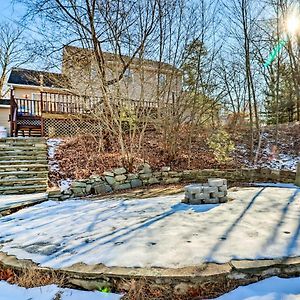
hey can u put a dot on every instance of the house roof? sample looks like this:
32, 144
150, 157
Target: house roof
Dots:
111, 57
37, 78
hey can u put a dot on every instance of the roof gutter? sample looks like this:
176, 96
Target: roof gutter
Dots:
36, 87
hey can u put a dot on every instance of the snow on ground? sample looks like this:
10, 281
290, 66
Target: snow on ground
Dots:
50, 292
9, 201
52, 145
54, 166
65, 184
273, 288
262, 222
281, 161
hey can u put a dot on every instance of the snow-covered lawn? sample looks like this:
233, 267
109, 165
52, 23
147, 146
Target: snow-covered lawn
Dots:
262, 222
273, 288
50, 292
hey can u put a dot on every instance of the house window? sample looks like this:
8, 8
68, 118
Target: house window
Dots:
94, 72
162, 79
128, 74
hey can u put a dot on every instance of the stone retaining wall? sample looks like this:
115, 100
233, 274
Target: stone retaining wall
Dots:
119, 179
176, 281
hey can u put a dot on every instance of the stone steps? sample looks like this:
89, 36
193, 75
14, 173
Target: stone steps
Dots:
22, 181
20, 151
27, 189
15, 163
23, 174
23, 157
23, 165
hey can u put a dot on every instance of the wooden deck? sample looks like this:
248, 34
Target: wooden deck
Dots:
27, 115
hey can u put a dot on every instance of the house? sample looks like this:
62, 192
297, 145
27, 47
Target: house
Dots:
145, 80
4, 113
43, 103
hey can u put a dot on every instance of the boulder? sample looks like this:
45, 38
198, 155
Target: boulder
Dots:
110, 180
215, 182
78, 184
165, 169
119, 171
172, 180
145, 176
107, 173
101, 188
131, 176
153, 180
120, 178
136, 183
123, 186
144, 168
78, 191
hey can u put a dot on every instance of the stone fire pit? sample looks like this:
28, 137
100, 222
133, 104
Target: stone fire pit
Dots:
213, 192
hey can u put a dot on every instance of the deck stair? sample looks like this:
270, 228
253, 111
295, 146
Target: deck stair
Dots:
23, 165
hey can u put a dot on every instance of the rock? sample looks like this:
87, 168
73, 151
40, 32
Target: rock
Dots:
78, 191
95, 177
101, 188
157, 174
215, 182
194, 189
144, 168
90, 285
218, 194
120, 177
165, 169
172, 180
107, 173
110, 180
123, 186
67, 192
173, 174
153, 180
145, 176
119, 171
78, 184
210, 189
131, 176
185, 200
136, 183
222, 188
88, 188
54, 192
223, 199
212, 200
65, 197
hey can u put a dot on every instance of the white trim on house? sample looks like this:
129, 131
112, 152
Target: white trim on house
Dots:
27, 86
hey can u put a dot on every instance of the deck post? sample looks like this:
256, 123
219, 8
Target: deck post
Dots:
42, 121
12, 113
297, 181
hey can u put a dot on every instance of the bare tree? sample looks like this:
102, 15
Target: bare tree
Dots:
12, 51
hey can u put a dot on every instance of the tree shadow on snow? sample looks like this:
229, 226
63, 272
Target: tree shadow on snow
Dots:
228, 231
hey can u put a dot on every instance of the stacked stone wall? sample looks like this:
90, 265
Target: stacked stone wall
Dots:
120, 179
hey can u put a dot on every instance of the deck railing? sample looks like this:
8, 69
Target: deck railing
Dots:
70, 104
67, 103
28, 107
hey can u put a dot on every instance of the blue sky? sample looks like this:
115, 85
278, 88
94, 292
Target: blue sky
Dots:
10, 12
